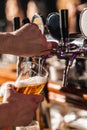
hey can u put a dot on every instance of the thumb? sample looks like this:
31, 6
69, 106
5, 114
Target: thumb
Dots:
8, 91
3, 88
50, 45
9, 88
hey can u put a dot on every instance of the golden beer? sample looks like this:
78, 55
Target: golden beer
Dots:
1, 98
33, 85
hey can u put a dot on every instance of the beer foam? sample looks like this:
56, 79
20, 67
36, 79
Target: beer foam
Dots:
31, 81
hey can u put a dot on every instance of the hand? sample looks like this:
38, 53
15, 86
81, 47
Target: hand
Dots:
29, 41
22, 107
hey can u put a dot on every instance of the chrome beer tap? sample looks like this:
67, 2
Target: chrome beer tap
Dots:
57, 23
20, 60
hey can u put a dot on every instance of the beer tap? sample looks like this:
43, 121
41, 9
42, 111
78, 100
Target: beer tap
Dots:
68, 50
20, 60
16, 25
64, 41
23, 60
57, 23
39, 20
62, 25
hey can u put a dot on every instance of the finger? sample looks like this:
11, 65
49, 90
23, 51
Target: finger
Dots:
4, 88
52, 44
9, 89
38, 98
46, 52
49, 46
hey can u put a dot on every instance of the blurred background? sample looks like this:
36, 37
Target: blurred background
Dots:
61, 110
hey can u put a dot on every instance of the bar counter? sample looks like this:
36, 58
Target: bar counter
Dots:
8, 73
74, 96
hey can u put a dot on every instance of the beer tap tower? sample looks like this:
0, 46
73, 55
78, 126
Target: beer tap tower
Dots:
66, 50
57, 23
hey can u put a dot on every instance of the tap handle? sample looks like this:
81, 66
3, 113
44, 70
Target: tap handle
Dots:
16, 23
25, 20
64, 25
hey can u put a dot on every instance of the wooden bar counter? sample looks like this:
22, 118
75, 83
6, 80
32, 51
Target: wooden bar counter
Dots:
8, 74
75, 96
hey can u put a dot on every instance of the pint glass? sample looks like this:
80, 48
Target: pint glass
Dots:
31, 79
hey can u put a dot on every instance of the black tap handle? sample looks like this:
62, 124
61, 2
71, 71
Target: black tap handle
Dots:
16, 23
25, 20
64, 25
53, 24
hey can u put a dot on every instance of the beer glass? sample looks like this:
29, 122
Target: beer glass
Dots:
31, 79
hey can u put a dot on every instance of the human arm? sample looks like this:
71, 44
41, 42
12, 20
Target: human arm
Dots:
17, 109
27, 41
